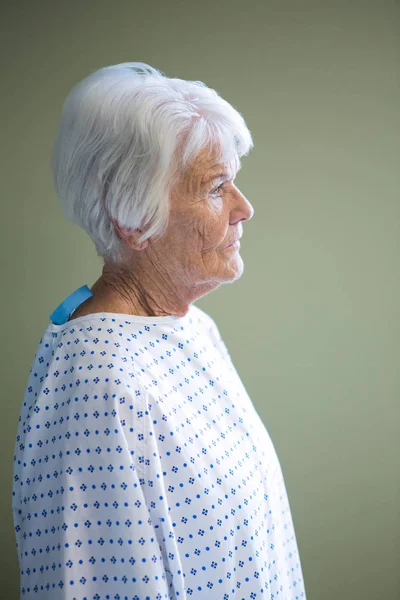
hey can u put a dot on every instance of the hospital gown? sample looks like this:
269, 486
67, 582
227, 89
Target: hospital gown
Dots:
143, 471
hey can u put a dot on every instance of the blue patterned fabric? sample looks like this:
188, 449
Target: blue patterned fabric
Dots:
143, 471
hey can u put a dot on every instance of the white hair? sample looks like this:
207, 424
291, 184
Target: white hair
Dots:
126, 132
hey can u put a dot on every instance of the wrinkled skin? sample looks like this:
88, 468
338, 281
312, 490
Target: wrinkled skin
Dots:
165, 276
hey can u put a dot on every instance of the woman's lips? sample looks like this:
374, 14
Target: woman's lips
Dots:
234, 245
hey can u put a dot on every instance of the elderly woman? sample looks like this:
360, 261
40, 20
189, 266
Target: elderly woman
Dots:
142, 470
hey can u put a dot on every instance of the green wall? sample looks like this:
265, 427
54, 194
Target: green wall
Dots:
313, 324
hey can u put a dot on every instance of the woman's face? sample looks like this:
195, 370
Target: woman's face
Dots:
205, 217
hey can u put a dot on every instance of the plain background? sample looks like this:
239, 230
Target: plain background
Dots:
313, 324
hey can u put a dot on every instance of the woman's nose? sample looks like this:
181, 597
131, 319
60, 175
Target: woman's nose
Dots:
246, 208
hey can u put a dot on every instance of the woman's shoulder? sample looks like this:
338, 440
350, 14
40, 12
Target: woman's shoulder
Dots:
203, 317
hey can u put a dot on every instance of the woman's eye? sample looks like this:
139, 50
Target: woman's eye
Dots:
214, 192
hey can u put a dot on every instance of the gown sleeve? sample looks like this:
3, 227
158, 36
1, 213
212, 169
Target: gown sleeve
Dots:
83, 526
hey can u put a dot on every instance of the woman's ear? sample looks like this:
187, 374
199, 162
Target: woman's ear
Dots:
130, 236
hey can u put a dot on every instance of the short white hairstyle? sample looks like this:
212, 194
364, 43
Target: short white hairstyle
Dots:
126, 133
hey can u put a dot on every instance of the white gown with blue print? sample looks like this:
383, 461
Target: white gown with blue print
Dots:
143, 472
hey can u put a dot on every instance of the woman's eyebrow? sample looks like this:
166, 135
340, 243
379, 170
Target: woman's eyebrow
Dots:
216, 176
221, 175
